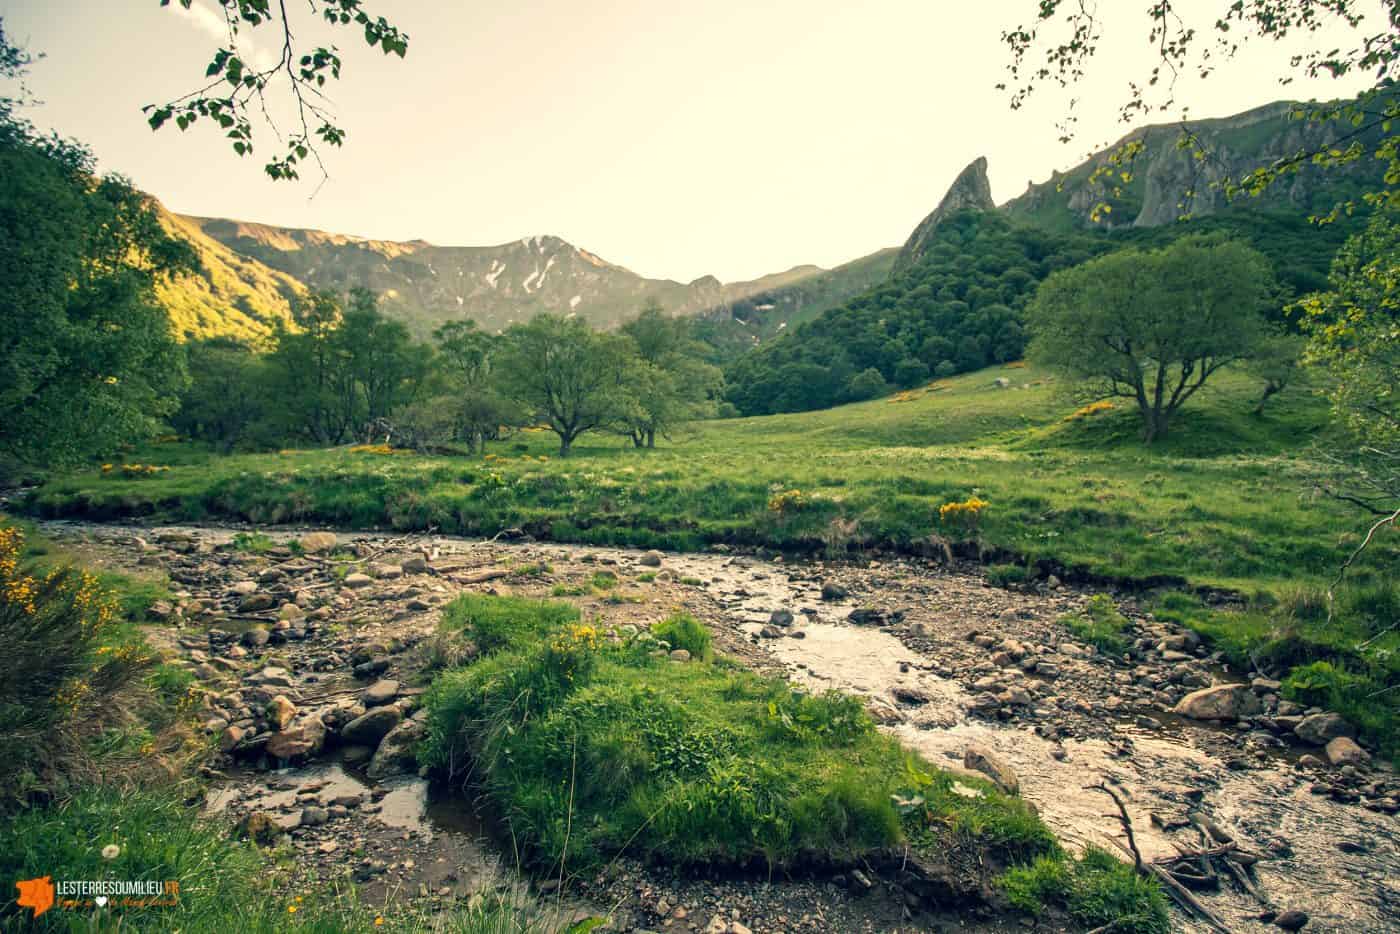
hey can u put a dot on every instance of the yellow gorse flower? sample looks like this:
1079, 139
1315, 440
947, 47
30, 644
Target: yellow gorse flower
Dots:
966, 512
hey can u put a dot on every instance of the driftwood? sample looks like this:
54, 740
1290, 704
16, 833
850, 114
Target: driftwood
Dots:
481, 577
1193, 867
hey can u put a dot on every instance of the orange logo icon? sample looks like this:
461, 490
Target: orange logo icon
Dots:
36, 894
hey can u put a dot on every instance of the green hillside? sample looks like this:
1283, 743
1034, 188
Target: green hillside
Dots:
232, 296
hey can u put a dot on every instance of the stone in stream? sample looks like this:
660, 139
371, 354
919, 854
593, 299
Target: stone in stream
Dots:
281, 712
317, 542
1342, 750
256, 603
909, 695
1321, 728
771, 632
380, 693
832, 591
981, 759
230, 737
1221, 702
395, 753
302, 738
369, 729
780, 618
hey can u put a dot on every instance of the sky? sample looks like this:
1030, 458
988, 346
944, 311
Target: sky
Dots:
731, 138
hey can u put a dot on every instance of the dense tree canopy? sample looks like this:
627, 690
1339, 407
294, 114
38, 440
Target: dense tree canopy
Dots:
958, 310
87, 357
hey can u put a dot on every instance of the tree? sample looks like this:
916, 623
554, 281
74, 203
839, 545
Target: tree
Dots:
668, 383
1354, 334
1152, 326
467, 361
867, 384
87, 357
227, 396
378, 359
236, 88
1276, 362
566, 375
303, 365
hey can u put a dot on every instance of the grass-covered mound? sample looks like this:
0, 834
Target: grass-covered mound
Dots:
592, 744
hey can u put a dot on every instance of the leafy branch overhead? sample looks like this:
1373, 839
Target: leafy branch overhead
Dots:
1057, 45
237, 87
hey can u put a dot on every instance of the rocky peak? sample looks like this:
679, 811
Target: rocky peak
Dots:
970, 191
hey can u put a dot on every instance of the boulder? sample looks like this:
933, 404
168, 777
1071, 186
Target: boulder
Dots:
395, 754
281, 712
381, 692
1221, 702
357, 580
1321, 728
415, 565
1342, 750
981, 759
255, 603
780, 618
832, 591
374, 725
303, 737
652, 559
316, 542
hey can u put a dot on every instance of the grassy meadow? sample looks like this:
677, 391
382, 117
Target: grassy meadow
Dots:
1227, 500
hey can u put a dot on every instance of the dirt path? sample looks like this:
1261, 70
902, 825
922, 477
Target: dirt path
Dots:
944, 659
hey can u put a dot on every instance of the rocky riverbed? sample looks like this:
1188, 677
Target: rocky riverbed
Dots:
313, 660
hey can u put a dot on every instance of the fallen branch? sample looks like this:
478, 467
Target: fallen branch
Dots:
1123, 819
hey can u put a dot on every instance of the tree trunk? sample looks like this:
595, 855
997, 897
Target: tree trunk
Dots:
651, 438
1269, 390
1154, 426
565, 443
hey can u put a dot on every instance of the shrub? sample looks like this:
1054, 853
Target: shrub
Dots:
683, 631
1097, 889
1100, 625
966, 514
66, 656
788, 502
1004, 575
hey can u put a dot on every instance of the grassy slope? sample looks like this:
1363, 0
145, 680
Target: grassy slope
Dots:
1225, 501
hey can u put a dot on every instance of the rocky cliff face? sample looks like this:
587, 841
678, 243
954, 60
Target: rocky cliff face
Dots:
970, 191
1168, 180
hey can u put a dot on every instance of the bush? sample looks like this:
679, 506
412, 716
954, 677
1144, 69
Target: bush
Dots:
1004, 575
1096, 889
66, 656
683, 631
1100, 625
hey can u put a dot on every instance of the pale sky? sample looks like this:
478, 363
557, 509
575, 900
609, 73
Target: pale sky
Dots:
732, 137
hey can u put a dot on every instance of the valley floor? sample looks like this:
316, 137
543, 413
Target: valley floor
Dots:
942, 658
